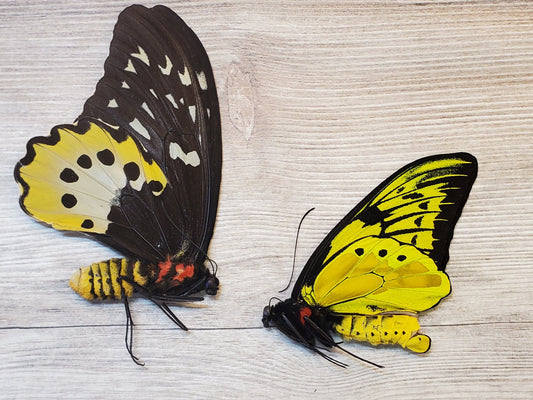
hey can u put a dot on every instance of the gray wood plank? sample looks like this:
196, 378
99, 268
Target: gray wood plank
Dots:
320, 101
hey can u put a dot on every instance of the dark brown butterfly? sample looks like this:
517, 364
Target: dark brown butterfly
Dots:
140, 168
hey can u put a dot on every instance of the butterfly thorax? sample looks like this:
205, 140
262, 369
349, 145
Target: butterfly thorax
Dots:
301, 322
119, 277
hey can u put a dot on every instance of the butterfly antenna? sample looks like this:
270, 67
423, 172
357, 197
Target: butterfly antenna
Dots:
273, 298
295, 246
214, 265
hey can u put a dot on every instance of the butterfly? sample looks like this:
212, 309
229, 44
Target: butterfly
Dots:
140, 168
382, 264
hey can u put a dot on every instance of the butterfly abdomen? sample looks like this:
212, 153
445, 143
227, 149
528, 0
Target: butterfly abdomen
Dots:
385, 329
104, 280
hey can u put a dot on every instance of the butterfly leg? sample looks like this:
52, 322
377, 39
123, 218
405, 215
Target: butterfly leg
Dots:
158, 302
129, 333
296, 335
328, 341
168, 312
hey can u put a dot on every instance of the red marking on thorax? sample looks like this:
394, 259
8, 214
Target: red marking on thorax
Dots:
183, 271
304, 312
164, 268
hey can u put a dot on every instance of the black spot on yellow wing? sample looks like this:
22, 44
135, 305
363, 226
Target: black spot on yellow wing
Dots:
87, 224
132, 171
84, 161
106, 157
69, 176
413, 196
69, 200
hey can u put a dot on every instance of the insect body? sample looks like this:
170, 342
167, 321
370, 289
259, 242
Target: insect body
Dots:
383, 263
385, 329
140, 168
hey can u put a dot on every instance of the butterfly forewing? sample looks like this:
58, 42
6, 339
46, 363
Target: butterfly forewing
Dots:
158, 87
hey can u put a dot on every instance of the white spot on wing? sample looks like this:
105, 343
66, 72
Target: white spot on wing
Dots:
192, 111
208, 110
147, 109
137, 184
112, 103
125, 85
202, 80
190, 158
136, 124
168, 66
108, 124
182, 101
153, 93
172, 100
130, 67
185, 78
141, 55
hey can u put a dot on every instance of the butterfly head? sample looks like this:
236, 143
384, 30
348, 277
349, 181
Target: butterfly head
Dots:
267, 315
285, 314
299, 321
211, 285
211, 281
308, 325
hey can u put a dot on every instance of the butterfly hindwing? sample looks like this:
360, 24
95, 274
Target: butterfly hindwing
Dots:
417, 206
374, 275
72, 177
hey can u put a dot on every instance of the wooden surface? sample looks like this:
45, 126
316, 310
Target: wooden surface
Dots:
320, 101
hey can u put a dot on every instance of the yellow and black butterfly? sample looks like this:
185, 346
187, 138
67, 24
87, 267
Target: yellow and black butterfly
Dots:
140, 168
383, 263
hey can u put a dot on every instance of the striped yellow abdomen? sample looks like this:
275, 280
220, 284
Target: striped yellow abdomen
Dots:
100, 280
385, 329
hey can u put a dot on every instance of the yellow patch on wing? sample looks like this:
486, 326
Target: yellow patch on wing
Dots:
73, 183
375, 275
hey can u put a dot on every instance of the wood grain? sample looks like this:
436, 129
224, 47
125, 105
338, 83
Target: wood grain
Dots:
320, 101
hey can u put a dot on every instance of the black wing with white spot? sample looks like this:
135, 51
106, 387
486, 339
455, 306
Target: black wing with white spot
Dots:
158, 88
